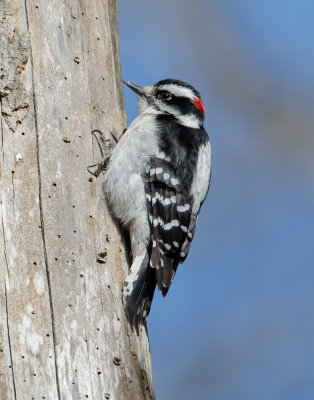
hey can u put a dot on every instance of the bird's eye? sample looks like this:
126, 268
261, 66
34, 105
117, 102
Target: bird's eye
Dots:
165, 96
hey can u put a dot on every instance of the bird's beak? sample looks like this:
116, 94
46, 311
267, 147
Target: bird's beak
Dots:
137, 89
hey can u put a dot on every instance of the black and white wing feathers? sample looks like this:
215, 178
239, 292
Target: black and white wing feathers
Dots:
170, 215
177, 184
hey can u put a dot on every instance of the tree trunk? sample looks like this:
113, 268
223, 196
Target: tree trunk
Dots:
63, 331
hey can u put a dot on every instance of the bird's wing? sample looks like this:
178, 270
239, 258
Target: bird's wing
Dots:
171, 221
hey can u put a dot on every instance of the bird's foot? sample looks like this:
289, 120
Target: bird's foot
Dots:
106, 147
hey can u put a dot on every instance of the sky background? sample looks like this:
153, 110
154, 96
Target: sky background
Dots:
238, 322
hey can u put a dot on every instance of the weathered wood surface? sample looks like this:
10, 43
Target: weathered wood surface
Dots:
63, 331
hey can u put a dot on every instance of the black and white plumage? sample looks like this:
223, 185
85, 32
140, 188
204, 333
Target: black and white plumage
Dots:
157, 179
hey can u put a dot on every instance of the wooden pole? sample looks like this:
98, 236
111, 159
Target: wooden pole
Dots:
63, 331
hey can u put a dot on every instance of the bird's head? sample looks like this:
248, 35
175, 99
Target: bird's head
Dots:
172, 97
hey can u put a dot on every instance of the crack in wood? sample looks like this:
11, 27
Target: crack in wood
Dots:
6, 296
8, 332
42, 217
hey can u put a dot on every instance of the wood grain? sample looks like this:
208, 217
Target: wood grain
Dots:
63, 331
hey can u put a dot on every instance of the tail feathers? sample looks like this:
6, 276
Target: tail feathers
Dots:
138, 301
165, 274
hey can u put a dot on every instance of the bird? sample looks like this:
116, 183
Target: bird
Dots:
155, 183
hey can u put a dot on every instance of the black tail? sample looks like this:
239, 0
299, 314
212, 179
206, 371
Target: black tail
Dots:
139, 301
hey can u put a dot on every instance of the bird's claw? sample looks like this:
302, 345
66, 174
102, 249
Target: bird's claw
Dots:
105, 146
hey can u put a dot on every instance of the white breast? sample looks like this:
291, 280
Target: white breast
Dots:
123, 181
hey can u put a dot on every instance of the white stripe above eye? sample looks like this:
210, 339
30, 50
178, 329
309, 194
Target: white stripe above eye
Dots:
179, 91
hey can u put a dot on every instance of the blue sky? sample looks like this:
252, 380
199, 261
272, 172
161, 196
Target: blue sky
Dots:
238, 322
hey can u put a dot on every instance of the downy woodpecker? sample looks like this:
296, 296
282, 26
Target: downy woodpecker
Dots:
156, 181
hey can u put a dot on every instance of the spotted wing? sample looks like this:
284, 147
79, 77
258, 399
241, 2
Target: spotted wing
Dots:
171, 221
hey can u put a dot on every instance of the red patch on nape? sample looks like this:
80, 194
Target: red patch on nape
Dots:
200, 105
